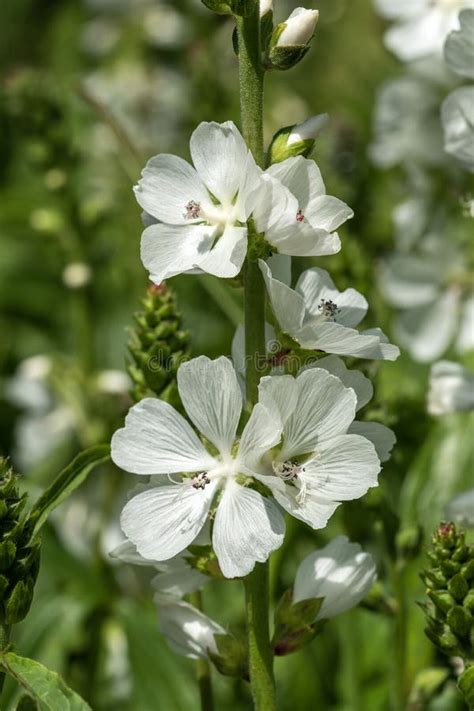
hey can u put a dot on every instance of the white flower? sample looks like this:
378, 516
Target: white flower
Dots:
406, 124
340, 572
299, 27
319, 464
294, 212
319, 317
461, 509
76, 275
113, 382
430, 287
164, 520
175, 576
459, 47
308, 130
451, 388
421, 26
457, 116
202, 210
188, 631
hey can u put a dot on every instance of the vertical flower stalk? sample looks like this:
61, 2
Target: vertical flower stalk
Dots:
251, 75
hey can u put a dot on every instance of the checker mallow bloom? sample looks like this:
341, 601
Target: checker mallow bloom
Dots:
197, 215
163, 520
294, 211
319, 317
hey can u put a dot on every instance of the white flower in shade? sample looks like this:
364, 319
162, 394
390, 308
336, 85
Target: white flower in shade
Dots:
421, 26
319, 317
299, 27
175, 576
382, 437
461, 509
457, 116
294, 212
201, 211
451, 389
113, 382
188, 631
163, 520
433, 290
319, 464
406, 124
459, 47
341, 573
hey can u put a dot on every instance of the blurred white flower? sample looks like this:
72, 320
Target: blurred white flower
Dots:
406, 124
459, 47
461, 509
341, 573
319, 317
451, 388
113, 382
421, 26
188, 631
294, 212
457, 116
76, 275
433, 290
299, 27
202, 210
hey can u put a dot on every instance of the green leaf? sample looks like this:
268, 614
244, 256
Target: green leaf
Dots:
43, 685
65, 483
26, 703
466, 685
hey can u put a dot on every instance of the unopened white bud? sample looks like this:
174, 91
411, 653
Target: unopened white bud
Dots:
76, 275
299, 28
308, 130
265, 6
188, 631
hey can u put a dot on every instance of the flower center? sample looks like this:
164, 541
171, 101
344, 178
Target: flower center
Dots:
192, 210
288, 471
299, 216
200, 481
328, 308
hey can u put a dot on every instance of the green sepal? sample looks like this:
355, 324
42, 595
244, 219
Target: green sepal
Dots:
221, 8
466, 686
232, 657
19, 601
458, 587
459, 621
284, 58
204, 560
7, 554
295, 623
427, 685
244, 8
442, 600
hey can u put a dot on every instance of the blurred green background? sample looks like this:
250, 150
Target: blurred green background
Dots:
89, 90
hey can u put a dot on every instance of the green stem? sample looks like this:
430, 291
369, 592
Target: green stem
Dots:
4, 642
251, 75
399, 684
203, 668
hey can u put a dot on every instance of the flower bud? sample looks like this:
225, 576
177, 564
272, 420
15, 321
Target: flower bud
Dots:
188, 631
266, 6
296, 140
290, 39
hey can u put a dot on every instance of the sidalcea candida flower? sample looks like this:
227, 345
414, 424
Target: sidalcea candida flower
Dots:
457, 117
294, 211
341, 573
198, 214
319, 317
421, 26
317, 466
188, 631
459, 47
451, 388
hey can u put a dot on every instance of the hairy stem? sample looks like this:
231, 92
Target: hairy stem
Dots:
203, 668
4, 642
251, 76
400, 638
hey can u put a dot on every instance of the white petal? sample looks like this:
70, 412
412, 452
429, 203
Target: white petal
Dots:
167, 185
167, 250
301, 176
408, 281
276, 208
226, 257
327, 212
421, 36
315, 285
426, 332
465, 339
247, 528
212, 398
335, 338
302, 240
457, 115
343, 468
314, 510
461, 509
354, 379
261, 433
177, 578
219, 154
459, 47
279, 394
287, 305
127, 553
157, 440
187, 630
340, 573
326, 409
163, 521
383, 438
451, 389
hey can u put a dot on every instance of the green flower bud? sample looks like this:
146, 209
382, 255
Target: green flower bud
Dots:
295, 623
158, 345
459, 621
466, 686
409, 541
296, 140
232, 658
458, 587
